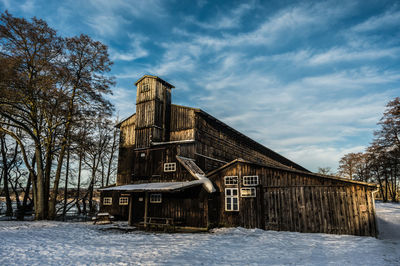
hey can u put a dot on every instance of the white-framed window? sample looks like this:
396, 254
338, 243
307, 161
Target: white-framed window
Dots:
231, 180
123, 201
145, 87
231, 199
107, 201
250, 180
248, 192
155, 198
169, 167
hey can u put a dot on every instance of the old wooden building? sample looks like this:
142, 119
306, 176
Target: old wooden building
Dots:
179, 165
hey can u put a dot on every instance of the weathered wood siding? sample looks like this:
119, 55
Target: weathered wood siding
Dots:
126, 151
187, 208
149, 164
292, 201
182, 123
120, 212
215, 141
153, 102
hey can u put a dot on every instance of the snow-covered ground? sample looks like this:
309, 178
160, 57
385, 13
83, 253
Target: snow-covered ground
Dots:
58, 243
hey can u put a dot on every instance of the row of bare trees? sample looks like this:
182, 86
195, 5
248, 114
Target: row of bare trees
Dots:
54, 118
380, 163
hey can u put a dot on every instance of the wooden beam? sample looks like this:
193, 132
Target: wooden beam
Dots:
146, 202
130, 211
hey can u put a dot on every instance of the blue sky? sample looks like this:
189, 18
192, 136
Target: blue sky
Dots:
308, 79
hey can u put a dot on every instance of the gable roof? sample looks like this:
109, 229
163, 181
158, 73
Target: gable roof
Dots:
155, 77
120, 123
289, 169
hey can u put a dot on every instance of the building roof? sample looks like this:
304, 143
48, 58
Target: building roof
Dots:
155, 187
274, 156
289, 169
122, 121
155, 77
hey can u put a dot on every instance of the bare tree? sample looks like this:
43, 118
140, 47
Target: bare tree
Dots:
47, 84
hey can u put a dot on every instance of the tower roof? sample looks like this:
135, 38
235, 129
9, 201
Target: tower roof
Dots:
157, 78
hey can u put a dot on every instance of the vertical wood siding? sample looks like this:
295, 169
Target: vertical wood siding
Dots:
290, 201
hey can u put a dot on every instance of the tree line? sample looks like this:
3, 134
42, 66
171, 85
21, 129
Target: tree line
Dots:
56, 127
380, 163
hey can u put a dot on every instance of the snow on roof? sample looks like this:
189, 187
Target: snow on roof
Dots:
164, 186
196, 171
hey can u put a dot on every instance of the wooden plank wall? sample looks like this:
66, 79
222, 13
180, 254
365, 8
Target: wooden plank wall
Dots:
149, 164
189, 207
290, 201
219, 143
182, 123
152, 112
127, 135
120, 212
313, 209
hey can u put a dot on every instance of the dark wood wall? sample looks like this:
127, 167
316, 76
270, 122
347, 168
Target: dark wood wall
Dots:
292, 201
188, 208
120, 212
216, 141
149, 164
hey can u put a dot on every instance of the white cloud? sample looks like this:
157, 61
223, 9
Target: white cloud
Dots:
6, 4
125, 101
28, 6
105, 24
313, 156
136, 49
390, 18
224, 20
342, 54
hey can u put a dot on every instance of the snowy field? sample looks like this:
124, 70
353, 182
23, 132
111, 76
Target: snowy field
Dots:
58, 243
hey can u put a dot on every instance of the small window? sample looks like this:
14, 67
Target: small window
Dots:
248, 192
231, 180
169, 167
155, 198
123, 201
231, 199
107, 201
145, 87
250, 180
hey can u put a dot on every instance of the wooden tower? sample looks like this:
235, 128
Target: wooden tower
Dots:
153, 108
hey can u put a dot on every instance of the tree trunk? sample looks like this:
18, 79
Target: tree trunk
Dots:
66, 185
9, 210
41, 201
113, 148
64, 145
78, 190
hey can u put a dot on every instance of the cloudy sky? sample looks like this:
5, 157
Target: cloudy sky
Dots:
308, 79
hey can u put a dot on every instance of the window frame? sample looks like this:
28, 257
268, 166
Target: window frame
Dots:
169, 167
123, 201
145, 87
250, 183
252, 189
231, 198
232, 180
107, 201
158, 198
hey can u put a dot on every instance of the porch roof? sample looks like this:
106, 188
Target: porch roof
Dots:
156, 187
